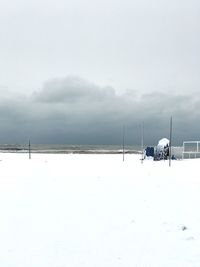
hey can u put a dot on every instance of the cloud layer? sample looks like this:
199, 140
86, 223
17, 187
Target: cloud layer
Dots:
75, 111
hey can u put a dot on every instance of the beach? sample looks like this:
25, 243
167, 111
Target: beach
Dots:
70, 210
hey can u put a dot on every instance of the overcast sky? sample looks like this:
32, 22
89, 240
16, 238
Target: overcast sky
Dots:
75, 71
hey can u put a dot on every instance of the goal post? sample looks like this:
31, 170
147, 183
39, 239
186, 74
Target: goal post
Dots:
191, 149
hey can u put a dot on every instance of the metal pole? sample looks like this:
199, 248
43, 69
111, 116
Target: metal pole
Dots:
29, 149
170, 142
142, 142
123, 142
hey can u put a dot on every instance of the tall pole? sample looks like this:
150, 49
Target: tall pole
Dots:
29, 149
123, 141
142, 142
170, 142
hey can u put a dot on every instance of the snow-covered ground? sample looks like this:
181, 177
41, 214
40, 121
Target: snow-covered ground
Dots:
98, 211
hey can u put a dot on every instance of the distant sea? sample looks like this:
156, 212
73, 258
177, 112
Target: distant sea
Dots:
69, 149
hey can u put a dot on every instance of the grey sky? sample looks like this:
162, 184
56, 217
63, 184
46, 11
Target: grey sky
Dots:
81, 62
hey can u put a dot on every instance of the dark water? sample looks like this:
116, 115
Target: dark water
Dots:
68, 149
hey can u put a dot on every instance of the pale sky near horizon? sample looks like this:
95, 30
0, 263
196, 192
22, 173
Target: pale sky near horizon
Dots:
137, 45
88, 66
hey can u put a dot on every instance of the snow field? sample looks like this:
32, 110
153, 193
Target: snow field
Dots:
98, 211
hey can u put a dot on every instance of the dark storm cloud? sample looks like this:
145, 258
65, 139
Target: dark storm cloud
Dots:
72, 89
73, 110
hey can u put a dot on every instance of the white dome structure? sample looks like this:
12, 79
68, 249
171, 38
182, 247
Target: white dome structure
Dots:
163, 142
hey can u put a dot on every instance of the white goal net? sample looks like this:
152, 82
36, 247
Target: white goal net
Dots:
191, 149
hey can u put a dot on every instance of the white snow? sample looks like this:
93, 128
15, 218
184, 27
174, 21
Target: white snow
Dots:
163, 142
98, 211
